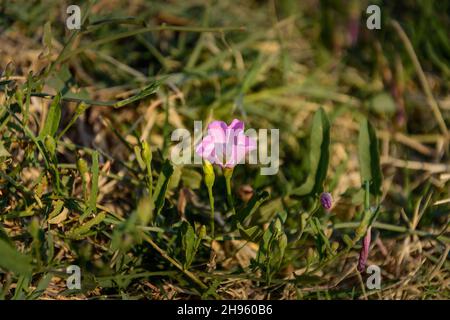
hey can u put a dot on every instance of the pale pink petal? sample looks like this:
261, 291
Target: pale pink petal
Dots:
237, 152
250, 143
206, 147
217, 129
226, 145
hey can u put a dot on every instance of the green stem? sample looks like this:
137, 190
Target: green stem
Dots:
208, 171
211, 204
313, 210
228, 173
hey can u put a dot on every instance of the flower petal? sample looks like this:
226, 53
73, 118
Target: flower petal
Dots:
206, 147
217, 129
236, 125
236, 152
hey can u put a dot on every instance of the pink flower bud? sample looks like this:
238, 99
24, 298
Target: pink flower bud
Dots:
326, 200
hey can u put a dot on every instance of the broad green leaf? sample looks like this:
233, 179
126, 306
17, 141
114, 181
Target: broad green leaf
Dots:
53, 117
12, 260
161, 186
319, 155
369, 157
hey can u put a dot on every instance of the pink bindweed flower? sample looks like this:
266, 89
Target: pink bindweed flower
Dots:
364, 254
225, 145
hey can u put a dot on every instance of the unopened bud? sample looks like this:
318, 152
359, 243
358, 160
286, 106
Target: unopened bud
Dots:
146, 152
202, 232
82, 166
208, 171
50, 145
326, 200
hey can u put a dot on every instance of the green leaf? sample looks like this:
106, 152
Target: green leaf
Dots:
53, 117
41, 287
189, 243
159, 194
12, 260
253, 205
145, 210
146, 91
322, 242
91, 205
94, 184
369, 157
80, 231
319, 155
191, 178
58, 80
4, 235
383, 104
47, 41
3, 151
138, 154
250, 234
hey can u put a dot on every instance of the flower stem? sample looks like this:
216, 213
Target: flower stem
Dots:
208, 171
228, 173
211, 204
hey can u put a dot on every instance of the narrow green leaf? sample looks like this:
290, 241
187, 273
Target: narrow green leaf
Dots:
250, 234
161, 186
94, 187
369, 157
253, 205
319, 155
53, 117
